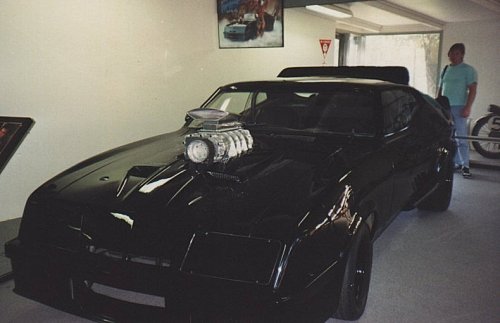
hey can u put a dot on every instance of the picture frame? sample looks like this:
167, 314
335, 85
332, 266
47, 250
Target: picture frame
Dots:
250, 23
12, 132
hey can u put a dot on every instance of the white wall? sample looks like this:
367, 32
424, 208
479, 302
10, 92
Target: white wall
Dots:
96, 74
482, 50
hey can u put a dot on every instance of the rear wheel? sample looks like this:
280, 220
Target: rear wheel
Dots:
439, 200
483, 128
356, 281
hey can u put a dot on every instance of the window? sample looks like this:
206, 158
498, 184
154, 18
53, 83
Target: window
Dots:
344, 112
233, 102
419, 53
307, 107
398, 107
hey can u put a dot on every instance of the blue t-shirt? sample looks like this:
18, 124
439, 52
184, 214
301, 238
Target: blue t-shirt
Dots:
456, 81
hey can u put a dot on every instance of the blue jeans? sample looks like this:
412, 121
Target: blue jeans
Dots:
462, 155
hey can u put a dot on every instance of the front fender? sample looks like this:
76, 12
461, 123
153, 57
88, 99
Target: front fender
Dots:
316, 258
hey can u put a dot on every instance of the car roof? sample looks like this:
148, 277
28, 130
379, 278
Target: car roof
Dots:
310, 84
324, 77
394, 74
333, 79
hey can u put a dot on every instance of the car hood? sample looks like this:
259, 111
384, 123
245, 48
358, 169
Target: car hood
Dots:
146, 197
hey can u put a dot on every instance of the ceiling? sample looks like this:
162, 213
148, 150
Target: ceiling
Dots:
395, 16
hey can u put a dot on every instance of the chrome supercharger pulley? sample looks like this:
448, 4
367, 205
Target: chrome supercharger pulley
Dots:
217, 141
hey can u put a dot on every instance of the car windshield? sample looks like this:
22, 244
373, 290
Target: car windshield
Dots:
346, 110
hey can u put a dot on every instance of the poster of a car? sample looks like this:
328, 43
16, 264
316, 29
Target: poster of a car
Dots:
250, 23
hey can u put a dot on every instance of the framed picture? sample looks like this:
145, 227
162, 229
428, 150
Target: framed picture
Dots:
250, 23
12, 132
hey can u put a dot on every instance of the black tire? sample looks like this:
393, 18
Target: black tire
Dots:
487, 149
356, 281
439, 200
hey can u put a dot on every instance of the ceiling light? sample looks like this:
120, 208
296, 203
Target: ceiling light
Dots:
332, 11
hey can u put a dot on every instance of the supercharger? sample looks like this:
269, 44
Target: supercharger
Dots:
218, 143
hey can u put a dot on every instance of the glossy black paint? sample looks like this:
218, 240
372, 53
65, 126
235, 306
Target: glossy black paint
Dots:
268, 229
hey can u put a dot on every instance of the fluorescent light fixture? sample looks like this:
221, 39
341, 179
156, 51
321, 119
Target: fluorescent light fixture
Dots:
332, 11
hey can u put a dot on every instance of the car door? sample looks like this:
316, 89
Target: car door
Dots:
402, 143
431, 129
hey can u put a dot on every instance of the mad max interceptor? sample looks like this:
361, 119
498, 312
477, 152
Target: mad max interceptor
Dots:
268, 197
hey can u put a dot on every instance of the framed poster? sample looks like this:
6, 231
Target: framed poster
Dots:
12, 132
250, 23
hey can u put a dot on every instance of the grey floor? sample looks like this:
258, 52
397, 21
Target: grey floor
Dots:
428, 267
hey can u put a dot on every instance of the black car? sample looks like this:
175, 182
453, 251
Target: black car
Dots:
247, 27
269, 196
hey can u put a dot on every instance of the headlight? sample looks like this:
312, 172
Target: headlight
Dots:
198, 150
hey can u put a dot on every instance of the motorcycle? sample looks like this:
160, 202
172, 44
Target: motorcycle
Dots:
488, 127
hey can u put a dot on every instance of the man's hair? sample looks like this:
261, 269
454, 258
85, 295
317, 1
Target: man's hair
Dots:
457, 46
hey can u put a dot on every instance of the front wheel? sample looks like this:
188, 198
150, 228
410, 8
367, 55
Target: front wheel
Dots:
356, 281
483, 128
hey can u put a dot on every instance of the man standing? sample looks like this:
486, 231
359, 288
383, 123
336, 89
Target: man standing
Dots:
459, 84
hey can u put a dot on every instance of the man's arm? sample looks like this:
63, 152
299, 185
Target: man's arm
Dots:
471, 96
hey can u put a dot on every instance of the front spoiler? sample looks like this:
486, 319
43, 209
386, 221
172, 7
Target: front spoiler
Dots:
67, 280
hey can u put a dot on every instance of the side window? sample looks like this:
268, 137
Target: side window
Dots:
398, 108
233, 102
261, 97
